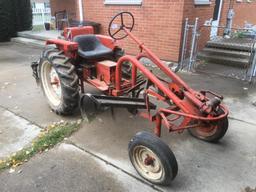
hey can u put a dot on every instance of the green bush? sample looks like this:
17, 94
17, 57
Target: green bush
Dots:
7, 17
23, 15
15, 15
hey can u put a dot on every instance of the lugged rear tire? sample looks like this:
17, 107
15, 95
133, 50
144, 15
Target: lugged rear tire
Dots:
62, 94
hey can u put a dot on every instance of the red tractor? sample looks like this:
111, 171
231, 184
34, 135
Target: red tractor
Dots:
83, 57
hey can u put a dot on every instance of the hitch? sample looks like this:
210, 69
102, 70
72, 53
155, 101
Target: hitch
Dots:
210, 105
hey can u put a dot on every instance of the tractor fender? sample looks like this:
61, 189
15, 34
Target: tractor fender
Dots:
66, 46
107, 41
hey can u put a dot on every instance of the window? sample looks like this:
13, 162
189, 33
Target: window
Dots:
123, 2
202, 2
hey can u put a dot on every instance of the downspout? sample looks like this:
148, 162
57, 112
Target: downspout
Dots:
229, 21
220, 10
81, 15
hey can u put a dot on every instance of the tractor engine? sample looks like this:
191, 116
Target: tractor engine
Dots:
106, 71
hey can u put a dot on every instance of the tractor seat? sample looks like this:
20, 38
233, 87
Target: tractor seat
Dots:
90, 47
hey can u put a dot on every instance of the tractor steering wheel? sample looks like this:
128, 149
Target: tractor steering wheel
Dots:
120, 27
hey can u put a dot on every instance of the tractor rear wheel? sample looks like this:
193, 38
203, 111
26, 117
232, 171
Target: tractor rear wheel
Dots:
59, 81
211, 131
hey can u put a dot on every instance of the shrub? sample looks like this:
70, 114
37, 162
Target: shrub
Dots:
15, 15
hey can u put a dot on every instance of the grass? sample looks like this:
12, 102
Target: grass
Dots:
47, 139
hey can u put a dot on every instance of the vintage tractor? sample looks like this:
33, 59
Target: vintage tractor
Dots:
83, 57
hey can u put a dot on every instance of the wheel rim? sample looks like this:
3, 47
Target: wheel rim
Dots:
51, 83
206, 130
147, 163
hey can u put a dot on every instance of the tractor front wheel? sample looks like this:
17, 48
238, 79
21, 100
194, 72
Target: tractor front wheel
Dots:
152, 158
59, 82
211, 131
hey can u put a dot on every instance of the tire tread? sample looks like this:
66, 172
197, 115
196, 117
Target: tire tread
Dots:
68, 79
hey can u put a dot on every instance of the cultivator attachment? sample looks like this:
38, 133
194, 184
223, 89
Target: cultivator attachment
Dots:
91, 104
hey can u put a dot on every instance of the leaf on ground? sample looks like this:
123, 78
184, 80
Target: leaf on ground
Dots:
46, 140
16, 164
11, 170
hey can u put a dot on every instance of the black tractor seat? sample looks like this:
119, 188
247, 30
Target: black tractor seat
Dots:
90, 48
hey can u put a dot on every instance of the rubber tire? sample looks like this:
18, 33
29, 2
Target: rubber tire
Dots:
162, 151
222, 129
68, 80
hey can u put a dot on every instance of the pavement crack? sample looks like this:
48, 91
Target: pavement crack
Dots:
115, 166
19, 115
243, 121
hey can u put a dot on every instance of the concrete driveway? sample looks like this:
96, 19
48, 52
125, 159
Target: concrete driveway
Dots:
95, 158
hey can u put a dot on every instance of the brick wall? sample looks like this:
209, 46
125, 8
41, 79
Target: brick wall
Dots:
243, 12
158, 24
203, 12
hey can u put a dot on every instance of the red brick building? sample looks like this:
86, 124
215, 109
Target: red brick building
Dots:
159, 23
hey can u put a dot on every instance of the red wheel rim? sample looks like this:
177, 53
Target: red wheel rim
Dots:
207, 129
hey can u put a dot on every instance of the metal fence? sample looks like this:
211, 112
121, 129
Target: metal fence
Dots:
40, 16
198, 37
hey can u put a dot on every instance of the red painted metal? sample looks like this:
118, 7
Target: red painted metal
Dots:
69, 48
101, 85
148, 74
185, 105
106, 71
157, 129
107, 41
67, 45
70, 32
149, 160
190, 103
154, 94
